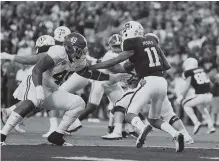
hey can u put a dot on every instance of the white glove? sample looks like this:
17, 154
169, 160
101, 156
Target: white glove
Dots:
40, 95
6, 56
179, 99
120, 77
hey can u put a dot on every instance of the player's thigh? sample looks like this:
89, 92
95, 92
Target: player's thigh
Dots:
62, 100
74, 83
158, 94
96, 93
167, 110
138, 99
198, 100
114, 92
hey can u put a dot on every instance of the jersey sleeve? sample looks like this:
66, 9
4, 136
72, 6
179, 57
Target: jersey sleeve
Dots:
57, 53
129, 44
188, 73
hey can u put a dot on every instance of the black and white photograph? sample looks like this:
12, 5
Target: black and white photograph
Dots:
109, 80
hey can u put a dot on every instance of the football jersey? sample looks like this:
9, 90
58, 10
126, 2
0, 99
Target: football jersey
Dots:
63, 68
200, 81
146, 59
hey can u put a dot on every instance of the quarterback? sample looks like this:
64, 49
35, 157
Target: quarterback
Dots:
149, 63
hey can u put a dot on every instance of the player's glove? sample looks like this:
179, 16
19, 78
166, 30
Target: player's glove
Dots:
6, 56
40, 95
119, 77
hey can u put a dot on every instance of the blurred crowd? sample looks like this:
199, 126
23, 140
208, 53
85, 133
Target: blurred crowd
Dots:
184, 28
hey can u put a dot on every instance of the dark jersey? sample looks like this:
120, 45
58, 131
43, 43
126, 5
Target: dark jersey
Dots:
146, 59
200, 81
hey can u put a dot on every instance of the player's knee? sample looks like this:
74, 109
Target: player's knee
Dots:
25, 107
173, 119
118, 109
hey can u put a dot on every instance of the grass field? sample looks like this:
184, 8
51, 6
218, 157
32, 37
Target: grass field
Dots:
90, 147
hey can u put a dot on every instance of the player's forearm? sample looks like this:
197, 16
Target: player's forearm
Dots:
41, 66
37, 77
166, 63
30, 60
93, 74
186, 88
112, 62
117, 69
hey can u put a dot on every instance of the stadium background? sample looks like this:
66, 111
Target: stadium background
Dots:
184, 28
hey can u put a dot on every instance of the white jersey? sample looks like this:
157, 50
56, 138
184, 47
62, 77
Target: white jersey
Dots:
52, 78
109, 55
62, 69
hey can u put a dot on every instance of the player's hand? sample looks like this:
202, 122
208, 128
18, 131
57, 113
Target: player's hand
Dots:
6, 56
40, 95
120, 77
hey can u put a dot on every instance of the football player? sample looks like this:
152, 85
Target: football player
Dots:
149, 62
167, 113
40, 87
42, 45
112, 89
198, 79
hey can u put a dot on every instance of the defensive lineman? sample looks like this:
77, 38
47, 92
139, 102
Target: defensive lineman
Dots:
40, 87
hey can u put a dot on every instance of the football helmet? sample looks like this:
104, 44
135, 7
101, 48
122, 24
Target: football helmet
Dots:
43, 43
60, 33
190, 63
132, 29
153, 36
75, 45
115, 42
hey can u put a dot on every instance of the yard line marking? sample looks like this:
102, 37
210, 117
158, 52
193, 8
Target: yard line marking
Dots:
169, 147
212, 158
91, 159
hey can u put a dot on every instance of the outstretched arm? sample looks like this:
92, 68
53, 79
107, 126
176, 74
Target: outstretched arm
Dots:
28, 60
112, 62
100, 76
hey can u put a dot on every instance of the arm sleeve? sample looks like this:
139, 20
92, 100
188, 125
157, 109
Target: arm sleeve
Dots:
93, 74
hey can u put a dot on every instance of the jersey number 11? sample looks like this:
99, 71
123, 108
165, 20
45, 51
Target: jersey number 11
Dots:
149, 51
